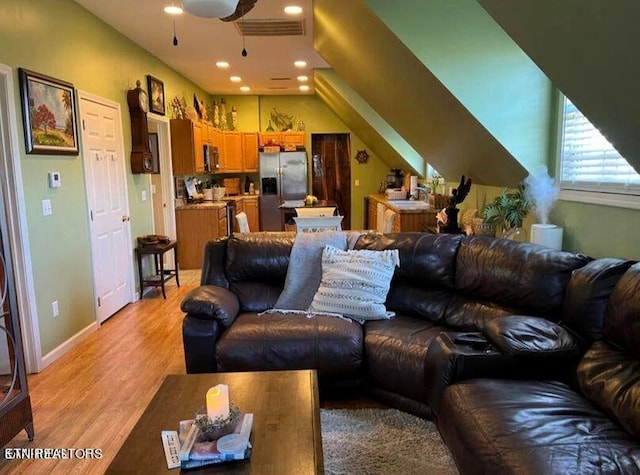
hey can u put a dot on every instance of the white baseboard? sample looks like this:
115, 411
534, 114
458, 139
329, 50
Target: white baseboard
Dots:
72, 342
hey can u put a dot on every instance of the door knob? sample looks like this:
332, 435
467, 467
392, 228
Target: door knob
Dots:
125, 219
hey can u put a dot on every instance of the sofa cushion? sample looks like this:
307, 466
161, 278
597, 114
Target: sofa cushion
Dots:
422, 285
527, 277
508, 426
587, 296
279, 341
622, 318
610, 378
305, 268
355, 283
258, 257
396, 352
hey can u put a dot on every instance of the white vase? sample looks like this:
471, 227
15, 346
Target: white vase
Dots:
548, 235
208, 194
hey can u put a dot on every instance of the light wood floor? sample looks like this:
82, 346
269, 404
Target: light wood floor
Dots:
93, 395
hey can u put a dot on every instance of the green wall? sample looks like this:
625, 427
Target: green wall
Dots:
61, 39
254, 114
477, 61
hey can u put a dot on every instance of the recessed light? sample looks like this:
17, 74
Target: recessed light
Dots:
300, 64
245, 88
303, 78
235, 79
293, 10
173, 10
222, 64
304, 88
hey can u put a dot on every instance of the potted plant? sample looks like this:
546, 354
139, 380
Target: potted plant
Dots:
507, 212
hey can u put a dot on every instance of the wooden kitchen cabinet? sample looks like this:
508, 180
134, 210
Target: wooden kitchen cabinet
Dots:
293, 138
282, 138
372, 216
252, 209
250, 152
231, 153
194, 228
187, 141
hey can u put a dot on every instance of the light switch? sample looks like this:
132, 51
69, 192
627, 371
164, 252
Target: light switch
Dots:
144, 195
46, 208
357, 183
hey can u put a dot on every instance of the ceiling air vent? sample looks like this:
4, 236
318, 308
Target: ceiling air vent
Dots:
271, 27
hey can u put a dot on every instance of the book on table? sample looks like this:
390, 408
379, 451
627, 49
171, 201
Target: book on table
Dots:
195, 453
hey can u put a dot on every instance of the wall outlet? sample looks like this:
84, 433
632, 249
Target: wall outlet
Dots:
54, 308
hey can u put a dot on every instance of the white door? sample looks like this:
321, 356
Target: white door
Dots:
105, 177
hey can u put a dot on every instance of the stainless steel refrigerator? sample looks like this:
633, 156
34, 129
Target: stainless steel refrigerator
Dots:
283, 176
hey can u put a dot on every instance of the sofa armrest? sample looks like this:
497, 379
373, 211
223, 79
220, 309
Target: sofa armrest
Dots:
199, 337
454, 357
524, 336
213, 303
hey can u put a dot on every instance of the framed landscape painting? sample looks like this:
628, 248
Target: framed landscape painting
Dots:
49, 112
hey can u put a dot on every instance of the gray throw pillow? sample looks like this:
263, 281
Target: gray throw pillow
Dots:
305, 268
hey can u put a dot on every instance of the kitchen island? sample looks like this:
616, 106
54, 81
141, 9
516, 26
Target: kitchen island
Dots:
410, 215
199, 223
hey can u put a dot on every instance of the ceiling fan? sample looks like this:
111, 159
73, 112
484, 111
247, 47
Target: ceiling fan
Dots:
226, 10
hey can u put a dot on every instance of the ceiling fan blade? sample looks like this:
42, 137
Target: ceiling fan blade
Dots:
244, 7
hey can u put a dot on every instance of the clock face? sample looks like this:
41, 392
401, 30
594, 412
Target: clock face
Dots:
144, 103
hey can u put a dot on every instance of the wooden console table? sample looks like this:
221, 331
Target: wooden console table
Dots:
161, 275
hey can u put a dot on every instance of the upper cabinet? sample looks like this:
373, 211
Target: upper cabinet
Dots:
237, 152
282, 138
187, 151
250, 151
231, 153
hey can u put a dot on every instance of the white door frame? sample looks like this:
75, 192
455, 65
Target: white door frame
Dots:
13, 190
83, 95
166, 174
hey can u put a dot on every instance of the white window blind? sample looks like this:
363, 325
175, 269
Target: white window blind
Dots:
589, 162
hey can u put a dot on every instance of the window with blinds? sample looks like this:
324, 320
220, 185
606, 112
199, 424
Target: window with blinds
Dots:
589, 162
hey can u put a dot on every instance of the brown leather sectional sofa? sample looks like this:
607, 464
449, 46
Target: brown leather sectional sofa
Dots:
510, 347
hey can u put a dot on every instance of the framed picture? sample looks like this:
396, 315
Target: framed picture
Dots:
156, 95
155, 151
49, 113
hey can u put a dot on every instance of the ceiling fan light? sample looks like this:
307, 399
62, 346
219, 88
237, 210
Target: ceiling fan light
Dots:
210, 8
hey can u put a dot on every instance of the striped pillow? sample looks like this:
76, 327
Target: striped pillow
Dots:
355, 283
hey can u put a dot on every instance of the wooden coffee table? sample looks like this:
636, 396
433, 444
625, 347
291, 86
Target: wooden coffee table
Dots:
286, 436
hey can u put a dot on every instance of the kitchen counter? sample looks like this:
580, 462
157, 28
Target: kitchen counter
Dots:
410, 215
216, 204
403, 206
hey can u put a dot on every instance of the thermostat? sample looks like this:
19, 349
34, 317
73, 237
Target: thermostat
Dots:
54, 180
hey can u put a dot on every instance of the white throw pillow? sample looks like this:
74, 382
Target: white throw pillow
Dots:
355, 283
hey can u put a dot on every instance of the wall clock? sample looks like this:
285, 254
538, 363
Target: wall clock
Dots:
141, 157
362, 156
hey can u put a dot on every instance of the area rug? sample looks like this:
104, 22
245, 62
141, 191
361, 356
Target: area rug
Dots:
382, 441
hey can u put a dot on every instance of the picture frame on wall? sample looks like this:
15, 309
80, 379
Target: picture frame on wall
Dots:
156, 95
155, 152
49, 114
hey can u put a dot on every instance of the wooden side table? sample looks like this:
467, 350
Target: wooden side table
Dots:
161, 275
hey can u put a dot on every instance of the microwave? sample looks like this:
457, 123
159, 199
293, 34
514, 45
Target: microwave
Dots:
211, 158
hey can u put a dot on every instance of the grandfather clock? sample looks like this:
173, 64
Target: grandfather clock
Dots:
141, 158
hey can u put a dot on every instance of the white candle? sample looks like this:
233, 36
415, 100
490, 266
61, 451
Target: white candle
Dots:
218, 402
